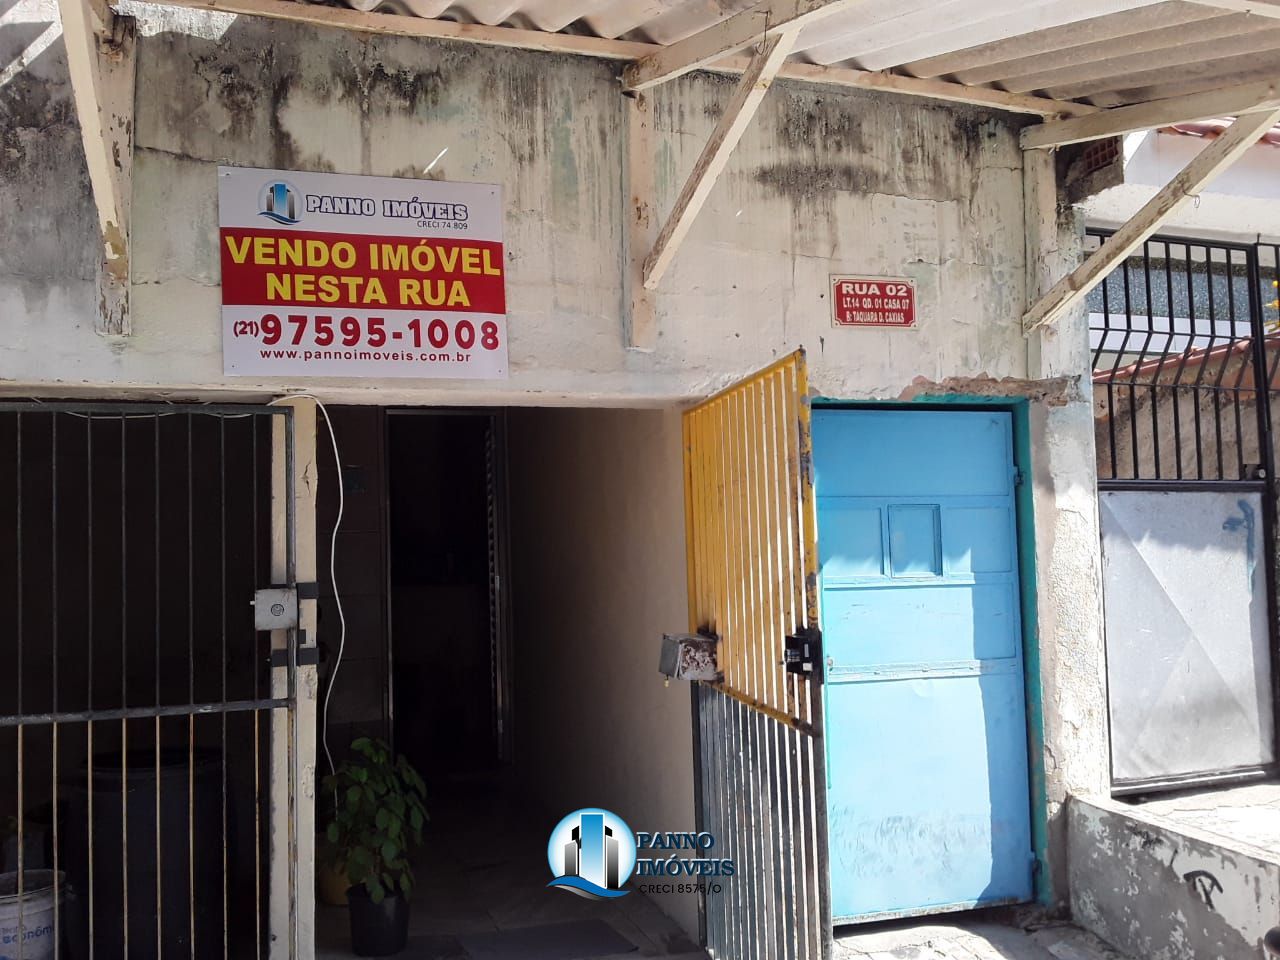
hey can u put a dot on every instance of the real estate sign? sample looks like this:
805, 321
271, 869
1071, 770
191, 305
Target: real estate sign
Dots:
329, 275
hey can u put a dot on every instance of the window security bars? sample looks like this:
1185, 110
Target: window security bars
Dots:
137, 705
1185, 336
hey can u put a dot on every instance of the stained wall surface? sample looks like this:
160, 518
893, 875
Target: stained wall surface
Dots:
823, 182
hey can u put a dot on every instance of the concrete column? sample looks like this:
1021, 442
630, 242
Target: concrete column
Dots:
1073, 693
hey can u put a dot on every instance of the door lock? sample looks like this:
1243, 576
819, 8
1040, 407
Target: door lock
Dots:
803, 650
275, 608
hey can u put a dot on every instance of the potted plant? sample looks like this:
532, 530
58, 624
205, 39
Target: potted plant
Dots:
331, 872
377, 825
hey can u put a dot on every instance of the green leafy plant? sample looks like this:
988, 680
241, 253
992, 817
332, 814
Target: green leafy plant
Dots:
378, 817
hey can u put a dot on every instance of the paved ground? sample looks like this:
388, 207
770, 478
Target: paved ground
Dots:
969, 940
1250, 814
482, 896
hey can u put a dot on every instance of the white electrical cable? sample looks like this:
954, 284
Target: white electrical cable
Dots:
333, 576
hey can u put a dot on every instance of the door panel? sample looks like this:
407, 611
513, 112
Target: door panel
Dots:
922, 623
938, 829
927, 752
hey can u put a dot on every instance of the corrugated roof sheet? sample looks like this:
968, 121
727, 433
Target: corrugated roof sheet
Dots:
1100, 52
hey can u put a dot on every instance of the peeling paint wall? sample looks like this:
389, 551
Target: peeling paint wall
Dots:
1159, 891
824, 181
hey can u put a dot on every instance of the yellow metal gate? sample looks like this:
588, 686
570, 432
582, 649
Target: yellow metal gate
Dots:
753, 584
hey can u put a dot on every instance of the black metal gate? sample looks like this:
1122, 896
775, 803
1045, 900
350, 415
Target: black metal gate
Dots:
141, 715
1184, 346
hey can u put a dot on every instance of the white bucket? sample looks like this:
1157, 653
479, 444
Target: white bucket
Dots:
36, 938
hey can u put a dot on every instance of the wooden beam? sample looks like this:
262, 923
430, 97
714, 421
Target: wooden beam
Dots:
406, 26
100, 51
1227, 102
767, 19
638, 301
733, 123
1212, 160
923, 87
1260, 8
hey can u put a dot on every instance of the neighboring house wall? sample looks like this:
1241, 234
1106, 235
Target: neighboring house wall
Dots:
1157, 424
1242, 203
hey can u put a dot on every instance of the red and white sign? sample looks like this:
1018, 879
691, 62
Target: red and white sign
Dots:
329, 275
873, 302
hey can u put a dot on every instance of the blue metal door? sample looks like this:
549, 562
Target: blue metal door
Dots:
927, 795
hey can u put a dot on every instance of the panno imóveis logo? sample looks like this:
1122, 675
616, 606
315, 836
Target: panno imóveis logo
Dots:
281, 202
592, 853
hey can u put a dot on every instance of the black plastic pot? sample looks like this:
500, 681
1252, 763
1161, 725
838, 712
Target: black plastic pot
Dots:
377, 929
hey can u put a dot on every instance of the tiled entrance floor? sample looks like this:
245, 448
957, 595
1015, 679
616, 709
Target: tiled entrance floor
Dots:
484, 870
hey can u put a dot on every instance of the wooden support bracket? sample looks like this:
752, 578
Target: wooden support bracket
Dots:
1212, 160
1224, 102
101, 59
737, 117
769, 19
638, 301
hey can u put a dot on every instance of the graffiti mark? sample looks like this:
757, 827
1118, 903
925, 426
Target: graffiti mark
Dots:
1146, 839
1246, 520
1203, 883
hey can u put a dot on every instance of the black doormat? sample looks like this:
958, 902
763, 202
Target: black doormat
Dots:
576, 940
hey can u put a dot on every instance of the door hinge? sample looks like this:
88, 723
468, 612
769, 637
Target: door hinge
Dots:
308, 655
1017, 476
803, 651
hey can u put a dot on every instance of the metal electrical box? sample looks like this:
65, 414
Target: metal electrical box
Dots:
690, 656
275, 608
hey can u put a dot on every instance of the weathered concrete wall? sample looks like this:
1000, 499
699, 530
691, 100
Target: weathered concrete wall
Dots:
598, 563
1164, 891
824, 181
